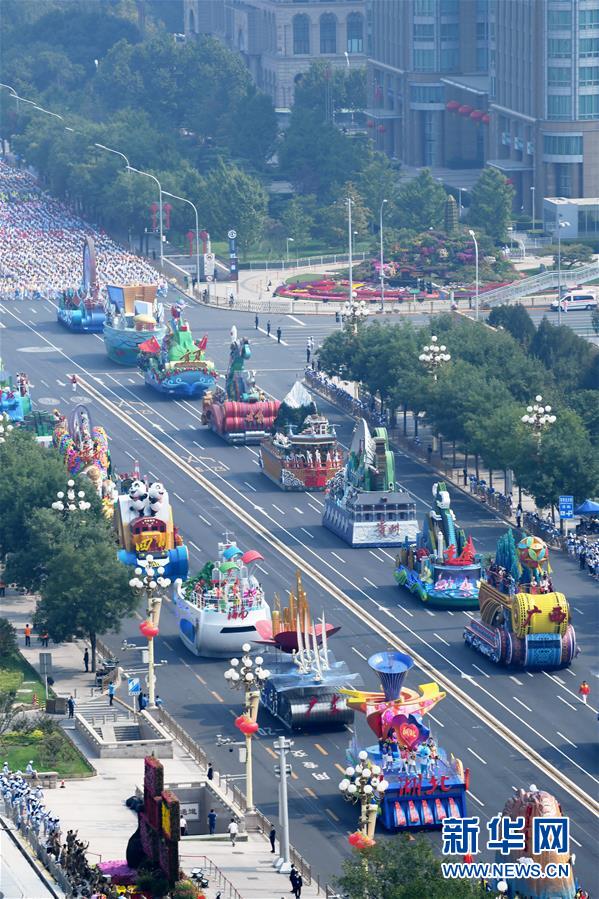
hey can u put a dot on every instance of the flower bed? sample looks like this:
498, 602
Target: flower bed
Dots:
337, 291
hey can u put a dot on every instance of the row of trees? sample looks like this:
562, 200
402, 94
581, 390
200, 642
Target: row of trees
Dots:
480, 396
68, 559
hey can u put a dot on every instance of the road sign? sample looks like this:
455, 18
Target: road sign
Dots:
133, 686
45, 663
209, 263
566, 507
232, 234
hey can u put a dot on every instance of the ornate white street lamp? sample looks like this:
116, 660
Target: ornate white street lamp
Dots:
355, 312
150, 583
72, 502
538, 417
365, 784
434, 356
6, 426
247, 674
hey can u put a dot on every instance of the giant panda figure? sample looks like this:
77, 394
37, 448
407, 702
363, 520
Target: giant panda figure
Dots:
138, 495
156, 495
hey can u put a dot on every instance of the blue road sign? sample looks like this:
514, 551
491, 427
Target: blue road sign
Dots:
566, 507
133, 686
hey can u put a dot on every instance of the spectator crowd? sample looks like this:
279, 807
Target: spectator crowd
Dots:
42, 245
586, 550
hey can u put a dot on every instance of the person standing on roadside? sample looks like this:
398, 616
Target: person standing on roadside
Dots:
86, 659
233, 829
27, 635
268, 328
272, 837
211, 822
583, 692
279, 334
256, 322
71, 706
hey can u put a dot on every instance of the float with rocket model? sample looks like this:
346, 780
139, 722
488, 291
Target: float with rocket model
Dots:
523, 622
178, 366
82, 310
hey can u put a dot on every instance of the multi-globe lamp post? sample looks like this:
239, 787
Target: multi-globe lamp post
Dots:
354, 312
434, 356
247, 674
538, 417
6, 426
72, 501
150, 582
365, 783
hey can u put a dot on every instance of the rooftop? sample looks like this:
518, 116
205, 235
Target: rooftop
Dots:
475, 84
573, 201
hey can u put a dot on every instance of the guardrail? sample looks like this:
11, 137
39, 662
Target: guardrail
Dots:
227, 890
302, 262
536, 283
49, 863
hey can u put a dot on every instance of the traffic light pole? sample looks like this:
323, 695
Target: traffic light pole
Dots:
283, 863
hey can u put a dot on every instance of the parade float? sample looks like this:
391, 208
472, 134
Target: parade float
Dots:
84, 449
239, 412
363, 504
443, 569
529, 805
82, 310
523, 622
143, 519
14, 401
218, 610
178, 366
303, 688
303, 453
422, 785
134, 315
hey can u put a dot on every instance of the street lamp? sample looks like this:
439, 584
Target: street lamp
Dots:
561, 224
247, 674
350, 235
195, 210
532, 203
460, 189
283, 746
472, 235
6, 426
116, 152
288, 240
538, 417
154, 178
433, 356
365, 784
382, 274
354, 312
72, 502
150, 583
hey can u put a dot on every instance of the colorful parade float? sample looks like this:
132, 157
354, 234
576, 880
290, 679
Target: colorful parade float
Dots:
303, 689
82, 310
421, 785
218, 610
14, 401
143, 519
363, 504
303, 452
523, 622
178, 366
443, 569
134, 315
84, 449
239, 412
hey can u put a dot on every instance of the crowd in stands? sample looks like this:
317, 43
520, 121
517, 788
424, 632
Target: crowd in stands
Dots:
586, 550
42, 245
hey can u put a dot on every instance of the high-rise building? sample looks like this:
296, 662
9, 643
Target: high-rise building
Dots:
280, 39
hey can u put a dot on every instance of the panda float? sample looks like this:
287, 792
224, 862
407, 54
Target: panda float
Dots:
146, 501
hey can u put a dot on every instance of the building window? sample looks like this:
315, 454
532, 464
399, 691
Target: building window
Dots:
427, 93
588, 18
449, 7
424, 7
482, 31
450, 60
355, 33
424, 60
482, 59
328, 33
301, 35
424, 32
588, 220
589, 46
558, 77
562, 144
559, 18
588, 76
559, 107
559, 48
563, 179
450, 31
588, 106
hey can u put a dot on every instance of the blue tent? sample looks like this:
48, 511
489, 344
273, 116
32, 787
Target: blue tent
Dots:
588, 507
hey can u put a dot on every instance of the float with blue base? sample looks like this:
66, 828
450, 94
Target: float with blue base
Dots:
523, 622
443, 570
364, 505
134, 315
303, 687
82, 310
239, 413
423, 785
143, 519
178, 366
14, 401
218, 610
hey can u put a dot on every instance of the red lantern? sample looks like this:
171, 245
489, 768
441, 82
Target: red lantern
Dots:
486, 119
246, 725
452, 105
148, 629
153, 212
360, 841
381, 129
476, 114
370, 123
464, 110
167, 215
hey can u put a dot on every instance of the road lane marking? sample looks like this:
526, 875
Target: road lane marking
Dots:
428, 612
567, 739
476, 799
370, 582
314, 508
563, 686
317, 501
299, 511
180, 498
561, 698
195, 442
337, 556
339, 767
442, 639
476, 755
205, 520
332, 814
321, 749
217, 696
358, 653
436, 720
250, 486
310, 792
523, 704
271, 751
311, 536
195, 546
378, 558
303, 324
481, 670
278, 510
516, 681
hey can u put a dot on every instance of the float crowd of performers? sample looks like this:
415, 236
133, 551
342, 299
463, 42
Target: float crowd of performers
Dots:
307, 459
229, 597
500, 577
41, 242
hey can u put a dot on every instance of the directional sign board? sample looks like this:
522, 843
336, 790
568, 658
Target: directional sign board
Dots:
566, 507
45, 664
133, 686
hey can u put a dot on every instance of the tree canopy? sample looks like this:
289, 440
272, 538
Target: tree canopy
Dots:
491, 203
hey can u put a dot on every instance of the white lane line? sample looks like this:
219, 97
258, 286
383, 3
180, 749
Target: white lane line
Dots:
476, 755
567, 703
428, 612
378, 558
277, 508
205, 520
45, 383
564, 737
436, 720
273, 336
576, 841
450, 613
195, 546
263, 570
516, 681
255, 461
580, 612
131, 456
442, 639
481, 670
385, 553
573, 673
60, 383
370, 582
311, 536
251, 450
559, 680
303, 324
407, 611
314, 508
337, 557
250, 486
180, 498
298, 510
131, 381
195, 443
563, 686
476, 799
523, 704
469, 614
358, 653
314, 500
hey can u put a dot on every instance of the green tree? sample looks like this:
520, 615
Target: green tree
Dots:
334, 218
571, 254
376, 182
515, 320
344, 90
491, 204
420, 203
8, 639
572, 360
298, 218
231, 198
253, 132
400, 869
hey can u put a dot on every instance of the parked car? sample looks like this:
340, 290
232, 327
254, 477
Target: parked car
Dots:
576, 299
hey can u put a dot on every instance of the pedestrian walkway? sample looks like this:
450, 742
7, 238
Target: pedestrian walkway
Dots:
95, 806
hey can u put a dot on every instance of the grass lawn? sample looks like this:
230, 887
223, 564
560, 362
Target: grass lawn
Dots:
18, 675
58, 755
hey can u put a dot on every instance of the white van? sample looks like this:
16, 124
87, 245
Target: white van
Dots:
577, 299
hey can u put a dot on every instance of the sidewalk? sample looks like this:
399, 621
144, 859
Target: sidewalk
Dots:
95, 806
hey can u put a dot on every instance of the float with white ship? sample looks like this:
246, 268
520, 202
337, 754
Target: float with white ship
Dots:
134, 315
82, 310
303, 453
218, 610
303, 688
364, 504
178, 366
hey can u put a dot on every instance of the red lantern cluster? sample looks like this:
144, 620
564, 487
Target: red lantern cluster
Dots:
486, 119
452, 105
246, 725
476, 114
465, 110
360, 841
148, 629
370, 123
